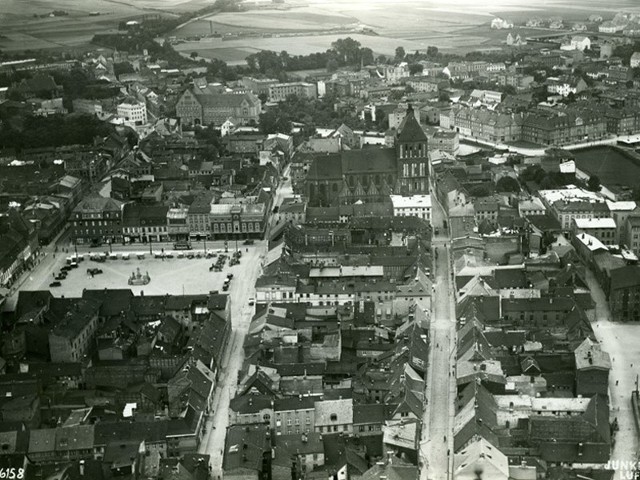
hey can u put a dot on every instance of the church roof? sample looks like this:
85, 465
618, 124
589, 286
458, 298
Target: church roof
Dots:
369, 160
410, 130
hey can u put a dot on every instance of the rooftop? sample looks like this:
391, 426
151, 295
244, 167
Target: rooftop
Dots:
590, 223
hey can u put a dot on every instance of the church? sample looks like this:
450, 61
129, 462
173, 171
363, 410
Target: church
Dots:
372, 174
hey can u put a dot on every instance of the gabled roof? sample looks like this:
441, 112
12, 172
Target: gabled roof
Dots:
558, 437
97, 204
392, 471
410, 130
589, 355
476, 414
480, 456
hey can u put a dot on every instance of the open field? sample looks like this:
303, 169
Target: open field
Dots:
295, 45
610, 165
414, 24
293, 19
459, 26
24, 31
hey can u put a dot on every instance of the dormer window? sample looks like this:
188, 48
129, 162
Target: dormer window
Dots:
334, 417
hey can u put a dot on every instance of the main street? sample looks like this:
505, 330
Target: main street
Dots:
436, 446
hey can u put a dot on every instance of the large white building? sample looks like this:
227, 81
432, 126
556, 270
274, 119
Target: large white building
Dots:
412, 206
280, 91
133, 112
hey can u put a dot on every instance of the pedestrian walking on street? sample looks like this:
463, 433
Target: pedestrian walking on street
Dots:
616, 383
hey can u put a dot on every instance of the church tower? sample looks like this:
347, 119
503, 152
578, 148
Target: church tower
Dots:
412, 156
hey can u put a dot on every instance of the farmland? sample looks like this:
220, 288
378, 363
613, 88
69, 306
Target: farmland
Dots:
27, 25
612, 165
457, 27
454, 26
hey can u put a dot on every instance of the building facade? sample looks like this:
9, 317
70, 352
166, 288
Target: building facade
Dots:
97, 220
133, 112
371, 175
204, 107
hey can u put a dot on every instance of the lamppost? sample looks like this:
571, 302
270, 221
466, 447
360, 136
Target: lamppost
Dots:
150, 245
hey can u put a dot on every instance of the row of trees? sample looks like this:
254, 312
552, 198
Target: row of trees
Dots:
343, 52
311, 112
53, 131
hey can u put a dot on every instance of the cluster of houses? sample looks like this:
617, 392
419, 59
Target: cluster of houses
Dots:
333, 378
310, 401
110, 382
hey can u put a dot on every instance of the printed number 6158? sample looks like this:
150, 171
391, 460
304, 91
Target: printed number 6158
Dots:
11, 473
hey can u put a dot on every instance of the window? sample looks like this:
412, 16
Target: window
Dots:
334, 417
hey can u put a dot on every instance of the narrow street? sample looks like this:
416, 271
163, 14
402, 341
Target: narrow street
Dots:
212, 443
437, 439
242, 288
620, 341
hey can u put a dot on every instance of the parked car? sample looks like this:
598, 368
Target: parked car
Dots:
55, 284
252, 301
229, 276
225, 287
249, 242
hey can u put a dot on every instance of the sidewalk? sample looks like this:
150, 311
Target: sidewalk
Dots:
620, 341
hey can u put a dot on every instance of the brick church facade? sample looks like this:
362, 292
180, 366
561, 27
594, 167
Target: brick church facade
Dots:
372, 174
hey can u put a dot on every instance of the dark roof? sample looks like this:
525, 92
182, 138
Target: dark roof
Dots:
325, 167
368, 413
368, 160
293, 403
410, 130
552, 304
625, 277
559, 437
248, 403
112, 301
29, 300
245, 447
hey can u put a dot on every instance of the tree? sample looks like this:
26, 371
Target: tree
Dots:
347, 49
332, 65
400, 53
366, 56
415, 68
275, 121
432, 52
193, 55
593, 183
124, 67
507, 184
480, 191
